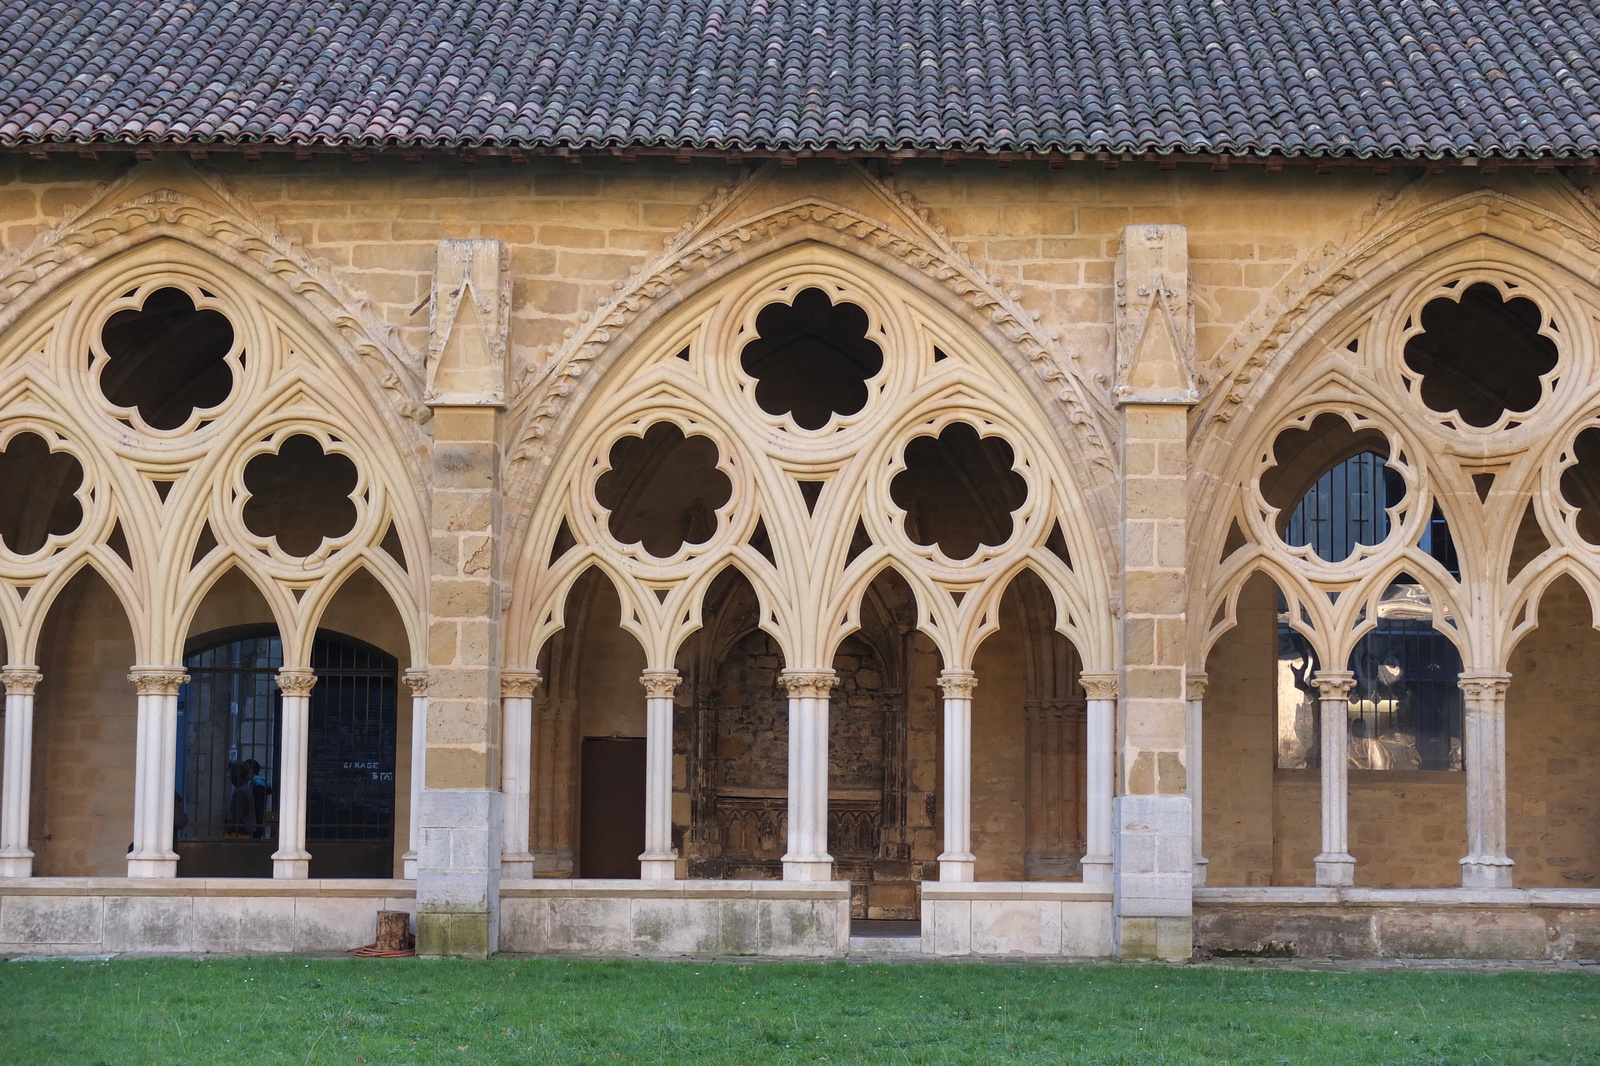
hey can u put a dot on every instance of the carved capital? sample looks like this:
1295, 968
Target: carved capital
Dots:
808, 682
20, 680
1485, 686
1100, 686
1334, 684
658, 683
416, 681
519, 682
958, 684
294, 681
158, 680
1194, 687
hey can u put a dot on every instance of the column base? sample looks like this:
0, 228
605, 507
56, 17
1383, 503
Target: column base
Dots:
962, 867
658, 868
516, 867
458, 873
1486, 871
297, 868
808, 869
1336, 871
408, 868
1098, 869
1200, 864
157, 867
16, 863
1169, 938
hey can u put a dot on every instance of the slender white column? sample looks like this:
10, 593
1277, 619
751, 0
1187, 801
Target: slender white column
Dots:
16, 859
516, 770
1100, 775
155, 775
958, 863
292, 860
1483, 744
659, 862
417, 682
807, 858
1194, 737
1335, 866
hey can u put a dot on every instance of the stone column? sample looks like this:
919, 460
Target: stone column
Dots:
292, 860
417, 682
1483, 745
807, 858
958, 863
1335, 866
16, 858
1193, 744
1153, 889
516, 769
155, 776
1099, 761
659, 862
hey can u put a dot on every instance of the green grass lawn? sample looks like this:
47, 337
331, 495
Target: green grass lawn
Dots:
161, 1012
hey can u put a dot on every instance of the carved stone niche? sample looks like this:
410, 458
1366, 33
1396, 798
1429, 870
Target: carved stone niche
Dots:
1155, 317
467, 324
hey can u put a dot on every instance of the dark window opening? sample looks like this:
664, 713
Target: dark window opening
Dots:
37, 488
959, 490
167, 359
663, 490
812, 359
1481, 356
300, 496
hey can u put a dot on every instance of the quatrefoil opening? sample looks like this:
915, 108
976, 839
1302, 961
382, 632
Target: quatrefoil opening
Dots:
663, 490
167, 359
959, 491
37, 494
1580, 484
1481, 355
812, 359
300, 496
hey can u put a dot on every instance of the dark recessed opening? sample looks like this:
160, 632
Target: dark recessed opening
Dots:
663, 490
812, 359
958, 490
167, 359
1481, 356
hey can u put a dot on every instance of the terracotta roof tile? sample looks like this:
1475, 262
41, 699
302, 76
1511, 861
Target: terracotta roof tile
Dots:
1302, 77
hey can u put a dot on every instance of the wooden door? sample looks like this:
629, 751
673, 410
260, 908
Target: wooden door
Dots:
611, 823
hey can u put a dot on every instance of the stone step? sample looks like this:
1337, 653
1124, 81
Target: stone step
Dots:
885, 947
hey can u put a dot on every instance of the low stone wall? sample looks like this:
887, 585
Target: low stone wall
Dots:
101, 915
1055, 918
665, 918
1535, 923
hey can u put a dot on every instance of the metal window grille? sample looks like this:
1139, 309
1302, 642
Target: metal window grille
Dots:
350, 780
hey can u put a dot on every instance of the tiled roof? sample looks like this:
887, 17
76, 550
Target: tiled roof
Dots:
1414, 78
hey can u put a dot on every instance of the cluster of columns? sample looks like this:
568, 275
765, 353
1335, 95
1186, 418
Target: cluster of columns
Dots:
1486, 864
155, 771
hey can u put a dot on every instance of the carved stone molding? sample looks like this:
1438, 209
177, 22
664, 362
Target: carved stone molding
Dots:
1155, 321
958, 684
1334, 684
20, 680
470, 309
296, 682
808, 682
416, 681
1485, 688
158, 680
519, 682
659, 683
1194, 686
1100, 686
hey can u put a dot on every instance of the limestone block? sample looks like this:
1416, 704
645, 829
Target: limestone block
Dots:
1016, 927
63, 923
579, 926
1155, 317
1461, 934
677, 927
1086, 929
322, 924
242, 923
807, 928
947, 927
149, 923
524, 924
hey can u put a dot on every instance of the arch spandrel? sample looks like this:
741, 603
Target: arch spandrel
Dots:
811, 588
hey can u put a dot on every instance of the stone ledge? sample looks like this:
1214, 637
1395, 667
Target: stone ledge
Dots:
1392, 897
596, 888
326, 888
1031, 890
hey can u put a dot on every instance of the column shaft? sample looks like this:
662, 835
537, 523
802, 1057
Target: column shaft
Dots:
1335, 866
1193, 746
16, 858
154, 775
417, 681
659, 862
516, 769
957, 863
807, 858
1486, 864
1099, 775
292, 860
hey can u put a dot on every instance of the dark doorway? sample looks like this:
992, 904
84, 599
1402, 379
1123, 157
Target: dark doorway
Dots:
611, 833
230, 727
